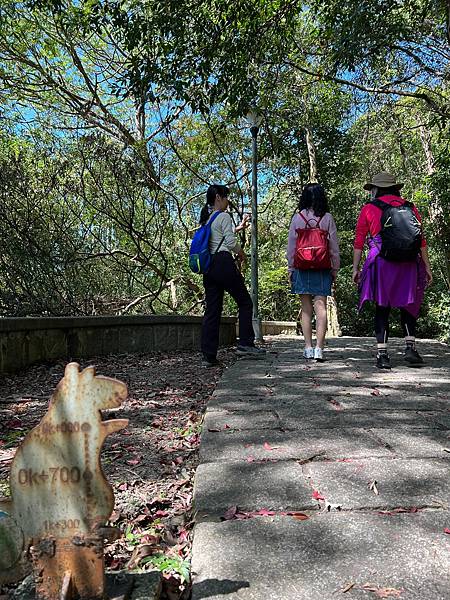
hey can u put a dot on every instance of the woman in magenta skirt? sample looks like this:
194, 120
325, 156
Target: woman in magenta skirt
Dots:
386, 282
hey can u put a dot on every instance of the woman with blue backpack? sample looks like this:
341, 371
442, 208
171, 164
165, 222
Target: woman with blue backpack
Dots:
221, 275
313, 263
397, 268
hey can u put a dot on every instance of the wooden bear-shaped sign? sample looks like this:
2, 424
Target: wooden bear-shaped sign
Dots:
59, 494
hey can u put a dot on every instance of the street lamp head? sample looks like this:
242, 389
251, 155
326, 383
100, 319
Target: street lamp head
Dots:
254, 120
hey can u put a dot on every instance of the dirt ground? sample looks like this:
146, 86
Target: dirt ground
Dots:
150, 464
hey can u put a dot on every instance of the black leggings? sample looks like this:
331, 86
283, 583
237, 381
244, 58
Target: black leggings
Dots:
408, 323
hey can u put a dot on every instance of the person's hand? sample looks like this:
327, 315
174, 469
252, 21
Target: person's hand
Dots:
429, 276
244, 223
291, 276
334, 275
356, 275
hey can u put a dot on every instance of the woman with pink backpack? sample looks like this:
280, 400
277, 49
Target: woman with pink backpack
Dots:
313, 263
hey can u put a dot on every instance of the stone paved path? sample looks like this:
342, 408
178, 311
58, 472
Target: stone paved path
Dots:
281, 431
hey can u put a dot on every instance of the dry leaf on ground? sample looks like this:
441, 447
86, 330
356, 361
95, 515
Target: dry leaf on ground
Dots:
372, 485
382, 592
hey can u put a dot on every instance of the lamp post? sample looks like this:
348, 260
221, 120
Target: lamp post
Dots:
254, 121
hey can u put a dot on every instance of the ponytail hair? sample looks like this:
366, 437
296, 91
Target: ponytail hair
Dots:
211, 194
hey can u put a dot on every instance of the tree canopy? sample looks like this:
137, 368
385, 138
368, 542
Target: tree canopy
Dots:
117, 115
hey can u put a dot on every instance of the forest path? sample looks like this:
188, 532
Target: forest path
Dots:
360, 456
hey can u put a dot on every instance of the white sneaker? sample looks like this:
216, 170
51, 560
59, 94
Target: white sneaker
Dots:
318, 354
308, 353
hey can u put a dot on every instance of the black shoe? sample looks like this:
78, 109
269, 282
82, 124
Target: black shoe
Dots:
251, 351
210, 361
412, 357
383, 360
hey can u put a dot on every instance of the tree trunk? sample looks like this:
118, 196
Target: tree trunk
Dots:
439, 219
333, 327
425, 138
313, 174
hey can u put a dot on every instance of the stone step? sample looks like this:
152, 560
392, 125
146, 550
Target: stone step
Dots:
280, 558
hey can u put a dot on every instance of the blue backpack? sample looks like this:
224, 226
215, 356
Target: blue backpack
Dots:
199, 255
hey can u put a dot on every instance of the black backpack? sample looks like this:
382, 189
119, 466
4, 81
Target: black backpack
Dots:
401, 232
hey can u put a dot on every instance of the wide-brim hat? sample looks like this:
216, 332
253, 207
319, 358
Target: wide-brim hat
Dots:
383, 180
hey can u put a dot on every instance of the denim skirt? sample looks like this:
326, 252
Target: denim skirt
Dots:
316, 283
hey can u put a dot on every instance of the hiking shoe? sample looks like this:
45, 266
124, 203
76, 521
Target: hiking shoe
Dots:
251, 351
210, 361
318, 355
308, 353
412, 357
383, 360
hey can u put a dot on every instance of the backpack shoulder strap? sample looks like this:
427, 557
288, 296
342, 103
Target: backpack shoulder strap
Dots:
303, 217
379, 204
213, 217
210, 222
308, 221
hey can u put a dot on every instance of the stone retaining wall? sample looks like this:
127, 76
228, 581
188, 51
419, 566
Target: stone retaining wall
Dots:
24, 341
279, 327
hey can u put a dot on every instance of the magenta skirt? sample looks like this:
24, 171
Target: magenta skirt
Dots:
387, 283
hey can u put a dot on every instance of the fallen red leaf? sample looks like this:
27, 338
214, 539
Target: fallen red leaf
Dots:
317, 495
250, 459
267, 446
115, 563
263, 512
298, 516
335, 404
15, 424
376, 392
396, 511
115, 516
133, 461
230, 513
447, 530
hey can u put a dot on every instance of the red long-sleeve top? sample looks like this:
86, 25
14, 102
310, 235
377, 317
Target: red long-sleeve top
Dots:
370, 217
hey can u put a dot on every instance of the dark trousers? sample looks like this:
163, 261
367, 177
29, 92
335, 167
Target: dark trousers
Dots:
223, 276
407, 321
